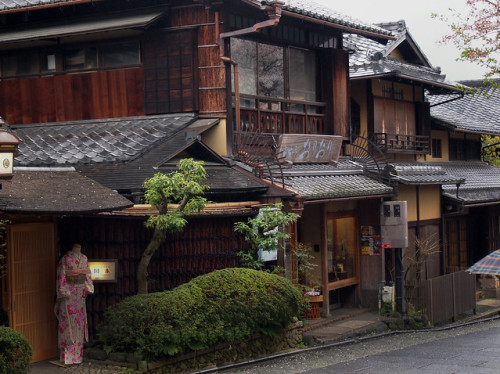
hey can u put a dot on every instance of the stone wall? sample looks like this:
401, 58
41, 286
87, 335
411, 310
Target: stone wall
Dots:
217, 356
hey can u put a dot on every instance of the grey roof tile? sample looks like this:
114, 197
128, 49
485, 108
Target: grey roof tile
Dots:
479, 182
336, 186
329, 14
109, 140
53, 191
371, 59
308, 8
421, 173
474, 113
324, 181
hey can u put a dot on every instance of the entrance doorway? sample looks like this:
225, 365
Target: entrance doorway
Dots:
342, 247
31, 257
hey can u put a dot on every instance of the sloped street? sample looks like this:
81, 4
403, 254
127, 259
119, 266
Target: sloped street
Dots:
468, 349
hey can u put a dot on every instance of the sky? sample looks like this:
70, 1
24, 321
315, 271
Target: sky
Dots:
424, 29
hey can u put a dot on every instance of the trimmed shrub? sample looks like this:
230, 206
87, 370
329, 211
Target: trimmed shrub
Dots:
15, 352
222, 306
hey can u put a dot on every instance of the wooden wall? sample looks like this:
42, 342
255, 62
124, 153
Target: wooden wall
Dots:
211, 70
169, 72
104, 94
204, 245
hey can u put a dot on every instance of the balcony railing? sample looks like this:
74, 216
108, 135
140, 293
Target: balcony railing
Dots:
280, 116
399, 143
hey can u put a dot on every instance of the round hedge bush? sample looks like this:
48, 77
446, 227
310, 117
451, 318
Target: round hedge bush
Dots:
222, 306
15, 352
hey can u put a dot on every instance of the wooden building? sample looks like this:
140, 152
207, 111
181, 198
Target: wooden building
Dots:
262, 91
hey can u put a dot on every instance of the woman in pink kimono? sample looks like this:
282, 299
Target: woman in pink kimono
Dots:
73, 285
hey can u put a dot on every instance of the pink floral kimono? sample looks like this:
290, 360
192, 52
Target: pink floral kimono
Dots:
73, 285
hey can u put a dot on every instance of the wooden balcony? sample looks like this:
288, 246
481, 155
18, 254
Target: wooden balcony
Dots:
400, 143
280, 116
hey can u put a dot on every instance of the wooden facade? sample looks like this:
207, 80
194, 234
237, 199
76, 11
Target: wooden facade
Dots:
205, 245
103, 94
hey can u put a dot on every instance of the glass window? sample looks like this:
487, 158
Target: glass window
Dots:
119, 54
245, 52
23, 63
436, 148
48, 62
302, 75
81, 58
9, 66
270, 70
342, 248
27, 63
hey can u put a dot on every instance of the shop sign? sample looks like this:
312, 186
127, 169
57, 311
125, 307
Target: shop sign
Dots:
103, 270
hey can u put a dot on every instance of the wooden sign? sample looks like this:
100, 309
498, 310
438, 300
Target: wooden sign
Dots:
310, 148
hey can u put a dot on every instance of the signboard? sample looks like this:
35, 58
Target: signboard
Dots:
103, 270
370, 241
310, 148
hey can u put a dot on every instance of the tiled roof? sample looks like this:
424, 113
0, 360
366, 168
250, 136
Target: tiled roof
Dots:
18, 4
323, 181
478, 181
329, 14
94, 141
56, 191
482, 182
120, 153
421, 173
474, 113
303, 8
370, 59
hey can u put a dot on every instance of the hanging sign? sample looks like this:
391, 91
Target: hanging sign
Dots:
310, 148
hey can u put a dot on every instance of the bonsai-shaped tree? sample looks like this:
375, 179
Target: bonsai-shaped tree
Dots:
175, 195
266, 232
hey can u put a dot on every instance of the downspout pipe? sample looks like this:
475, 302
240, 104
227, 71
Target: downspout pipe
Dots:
274, 14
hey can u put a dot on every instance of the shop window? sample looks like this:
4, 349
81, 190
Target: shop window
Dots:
342, 248
436, 148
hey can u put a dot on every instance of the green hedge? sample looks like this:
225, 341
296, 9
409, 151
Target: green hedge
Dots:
222, 306
15, 352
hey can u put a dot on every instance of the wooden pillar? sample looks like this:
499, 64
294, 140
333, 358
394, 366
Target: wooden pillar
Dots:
324, 263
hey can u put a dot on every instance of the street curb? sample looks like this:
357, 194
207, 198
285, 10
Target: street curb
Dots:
484, 317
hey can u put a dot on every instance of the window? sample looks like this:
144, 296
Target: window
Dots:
22, 63
81, 58
33, 62
263, 70
302, 76
461, 149
436, 148
119, 54
106, 55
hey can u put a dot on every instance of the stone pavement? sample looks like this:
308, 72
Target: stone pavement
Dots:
344, 323
347, 323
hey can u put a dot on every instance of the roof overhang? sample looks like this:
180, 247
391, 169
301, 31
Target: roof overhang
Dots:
81, 27
52, 4
57, 191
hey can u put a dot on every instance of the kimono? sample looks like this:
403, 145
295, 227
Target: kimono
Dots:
73, 285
